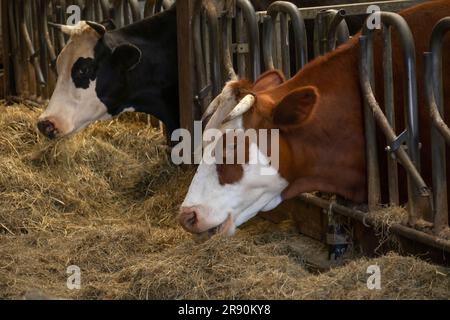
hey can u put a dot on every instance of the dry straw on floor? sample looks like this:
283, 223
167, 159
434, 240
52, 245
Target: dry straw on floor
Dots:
106, 200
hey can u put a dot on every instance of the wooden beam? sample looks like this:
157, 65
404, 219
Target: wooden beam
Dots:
186, 78
6, 92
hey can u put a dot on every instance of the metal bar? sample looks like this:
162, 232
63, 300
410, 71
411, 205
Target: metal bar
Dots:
440, 133
241, 37
105, 9
135, 10
267, 44
226, 47
214, 47
248, 13
337, 26
417, 190
383, 123
285, 48
319, 26
438, 153
355, 8
373, 170
298, 25
361, 216
390, 113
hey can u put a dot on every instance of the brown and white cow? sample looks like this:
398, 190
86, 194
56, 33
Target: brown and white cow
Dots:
319, 113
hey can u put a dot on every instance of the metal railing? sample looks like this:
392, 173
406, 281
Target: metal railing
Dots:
409, 157
440, 132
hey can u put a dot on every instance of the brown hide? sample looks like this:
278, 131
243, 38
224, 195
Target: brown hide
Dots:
326, 150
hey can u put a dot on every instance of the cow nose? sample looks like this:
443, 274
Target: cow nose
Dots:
188, 218
47, 128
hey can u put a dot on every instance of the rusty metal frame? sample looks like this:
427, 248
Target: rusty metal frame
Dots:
418, 192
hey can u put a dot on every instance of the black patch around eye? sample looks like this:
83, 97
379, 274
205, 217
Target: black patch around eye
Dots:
83, 72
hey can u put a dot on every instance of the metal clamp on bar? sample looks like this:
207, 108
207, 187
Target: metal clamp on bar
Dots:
298, 26
440, 132
419, 195
398, 142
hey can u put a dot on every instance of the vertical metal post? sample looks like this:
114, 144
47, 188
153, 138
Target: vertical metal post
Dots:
390, 113
433, 73
373, 170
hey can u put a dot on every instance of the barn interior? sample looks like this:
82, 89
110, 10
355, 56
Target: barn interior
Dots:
107, 199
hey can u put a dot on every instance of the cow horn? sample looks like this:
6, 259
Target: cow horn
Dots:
63, 28
243, 106
55, 25
224, 111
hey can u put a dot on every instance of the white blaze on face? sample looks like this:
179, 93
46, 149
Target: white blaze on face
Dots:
216, 203
70, 109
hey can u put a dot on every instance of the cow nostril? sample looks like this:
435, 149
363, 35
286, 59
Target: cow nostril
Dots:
188, 218
192, 220
47, 128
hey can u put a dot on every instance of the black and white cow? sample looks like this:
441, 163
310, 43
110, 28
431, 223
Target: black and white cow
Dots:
102, 73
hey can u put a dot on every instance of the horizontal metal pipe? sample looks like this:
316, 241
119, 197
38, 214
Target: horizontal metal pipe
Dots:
361, 216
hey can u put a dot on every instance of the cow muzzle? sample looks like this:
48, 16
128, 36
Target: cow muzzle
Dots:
48, 128
192, 220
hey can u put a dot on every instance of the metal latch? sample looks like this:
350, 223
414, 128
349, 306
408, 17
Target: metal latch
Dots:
398, 142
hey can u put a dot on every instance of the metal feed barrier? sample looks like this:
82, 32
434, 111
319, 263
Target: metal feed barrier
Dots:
424, 209
427, 211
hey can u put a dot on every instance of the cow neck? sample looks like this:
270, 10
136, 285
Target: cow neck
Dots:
326, 153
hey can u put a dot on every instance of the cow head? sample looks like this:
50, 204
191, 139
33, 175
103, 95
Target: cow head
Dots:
223, 196
91, 75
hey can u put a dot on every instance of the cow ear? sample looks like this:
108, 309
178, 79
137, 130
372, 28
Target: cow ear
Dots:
268, 80
296, 107
108, 24
127, 56
100, 29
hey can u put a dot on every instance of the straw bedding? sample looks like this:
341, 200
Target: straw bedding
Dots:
106, 201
